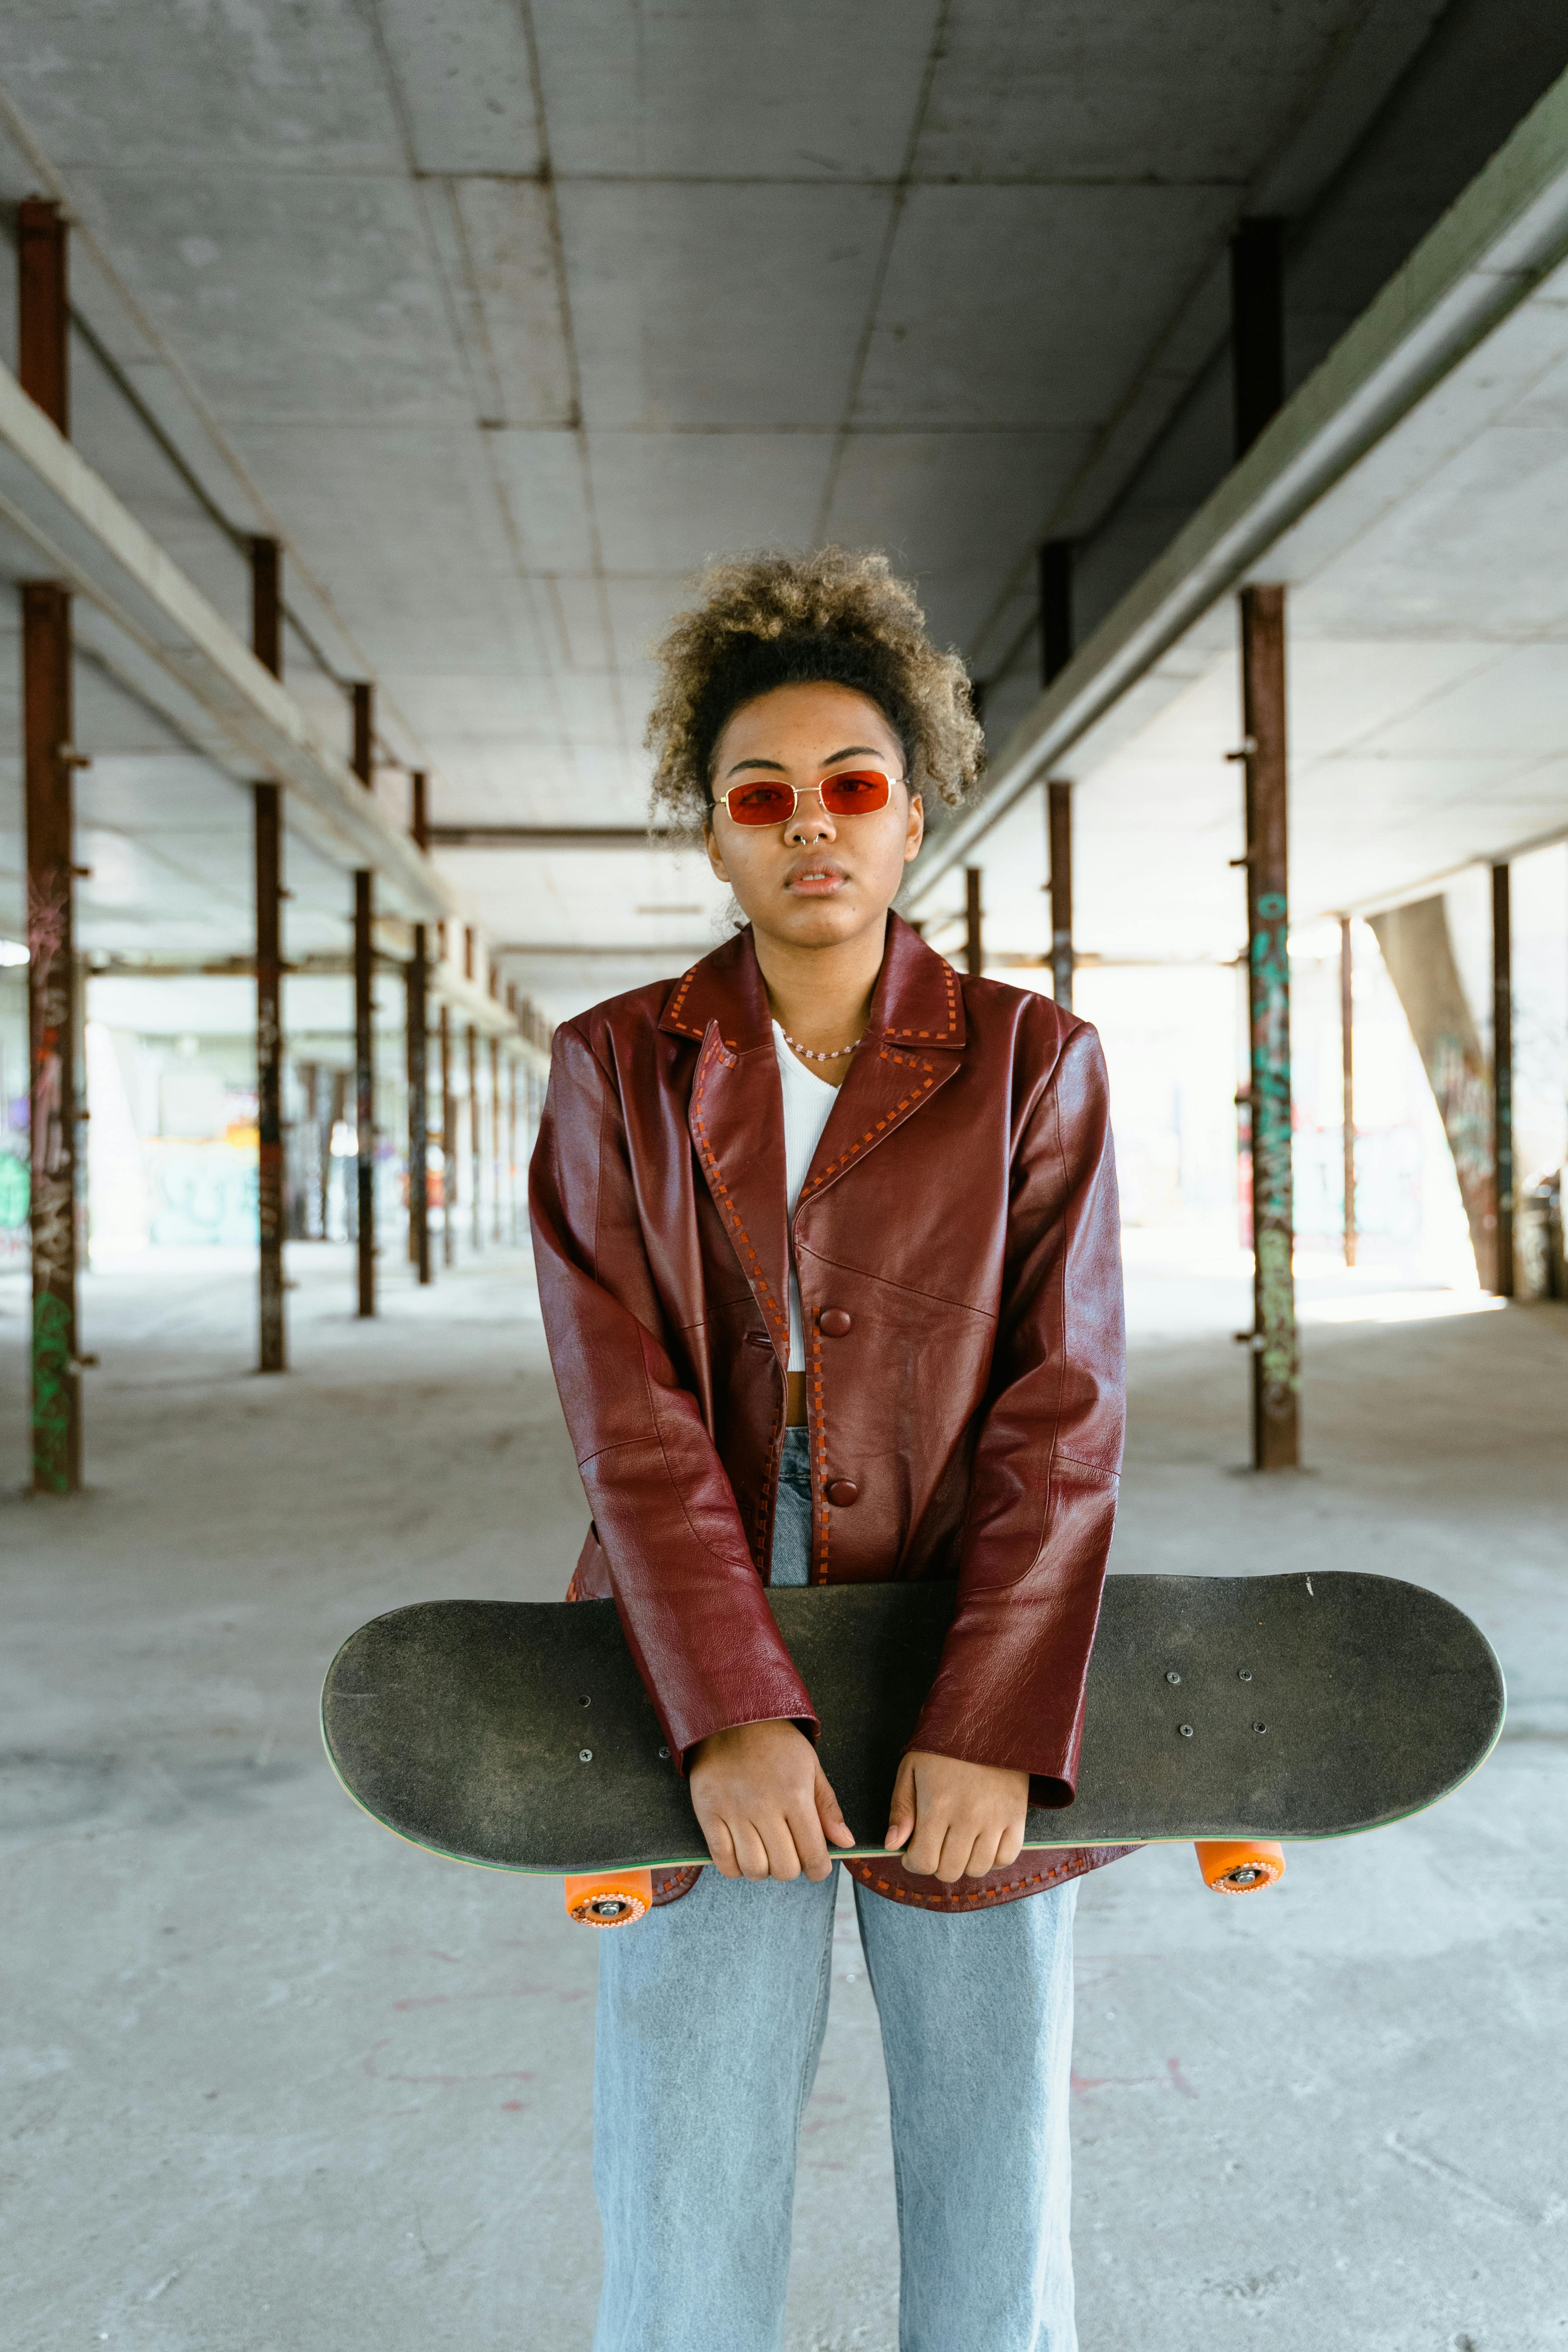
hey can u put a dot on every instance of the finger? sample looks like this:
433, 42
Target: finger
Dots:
924, 1849
953, 1859
1009, 1846
721, 1846
805, 1833
902, 1811
982, 1855
784, 1861
828, 1814
751, 1851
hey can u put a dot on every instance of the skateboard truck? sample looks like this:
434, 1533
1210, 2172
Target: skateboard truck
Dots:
609, 1898
1240, 1866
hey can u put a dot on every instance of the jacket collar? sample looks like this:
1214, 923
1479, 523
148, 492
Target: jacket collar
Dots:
918, 1002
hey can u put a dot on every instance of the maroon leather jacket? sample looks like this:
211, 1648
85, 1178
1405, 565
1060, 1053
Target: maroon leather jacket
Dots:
957, 1245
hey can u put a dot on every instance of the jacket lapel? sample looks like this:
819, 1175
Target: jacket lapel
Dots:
735, 1116
913, 1043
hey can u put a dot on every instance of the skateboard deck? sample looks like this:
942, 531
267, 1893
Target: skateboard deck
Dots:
517, 1735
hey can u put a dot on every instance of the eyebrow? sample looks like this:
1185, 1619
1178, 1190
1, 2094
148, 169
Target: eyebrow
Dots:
852, 751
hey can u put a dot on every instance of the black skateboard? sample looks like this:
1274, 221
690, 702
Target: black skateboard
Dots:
1233, 1711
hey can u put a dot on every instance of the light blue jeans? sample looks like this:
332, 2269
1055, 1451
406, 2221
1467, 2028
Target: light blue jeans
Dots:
711, 2019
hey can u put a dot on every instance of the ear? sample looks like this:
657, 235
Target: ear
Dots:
715, 860
917, 828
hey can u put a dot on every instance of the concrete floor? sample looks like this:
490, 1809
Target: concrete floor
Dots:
274, 2083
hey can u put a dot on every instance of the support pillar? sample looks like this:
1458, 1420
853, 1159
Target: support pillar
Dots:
1058, 825
1347, 1070
1256, 327
475, 1206
1056, 608
973, 945
496, 1230
511, 1148
365, 1031
418, 976
266, 642
49, 761
1276, 1358
1502, 1076
449, 1146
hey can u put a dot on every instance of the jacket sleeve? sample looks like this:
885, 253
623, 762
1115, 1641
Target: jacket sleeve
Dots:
1010, 1686
693, 1608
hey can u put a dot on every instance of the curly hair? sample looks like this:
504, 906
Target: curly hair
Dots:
832, 618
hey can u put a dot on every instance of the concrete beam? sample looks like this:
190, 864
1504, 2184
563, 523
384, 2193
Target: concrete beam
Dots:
1507, 231
168, 642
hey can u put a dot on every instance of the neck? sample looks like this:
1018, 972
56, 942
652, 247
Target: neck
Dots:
821, 995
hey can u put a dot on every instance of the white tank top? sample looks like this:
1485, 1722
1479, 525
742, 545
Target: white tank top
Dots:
807, 1099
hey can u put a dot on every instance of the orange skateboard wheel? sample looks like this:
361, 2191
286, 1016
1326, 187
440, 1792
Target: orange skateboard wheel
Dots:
1240, 1866
609, 1898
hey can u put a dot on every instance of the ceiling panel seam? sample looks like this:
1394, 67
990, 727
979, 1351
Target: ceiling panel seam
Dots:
464, 340
574, 371
16, 127
898, 197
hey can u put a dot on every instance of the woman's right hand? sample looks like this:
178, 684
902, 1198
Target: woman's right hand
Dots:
764, 1803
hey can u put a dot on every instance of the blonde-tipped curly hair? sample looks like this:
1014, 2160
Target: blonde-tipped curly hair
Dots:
771, 619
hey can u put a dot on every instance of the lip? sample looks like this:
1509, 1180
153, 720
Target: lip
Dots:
819, 879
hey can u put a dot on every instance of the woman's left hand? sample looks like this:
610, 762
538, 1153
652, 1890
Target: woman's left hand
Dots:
958, 1820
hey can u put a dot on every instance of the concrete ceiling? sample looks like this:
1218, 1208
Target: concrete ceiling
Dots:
504, 316
1427, 619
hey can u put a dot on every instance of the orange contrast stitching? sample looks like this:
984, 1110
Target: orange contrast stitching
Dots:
677, 1000
983, 1894
813, 1183
951, 980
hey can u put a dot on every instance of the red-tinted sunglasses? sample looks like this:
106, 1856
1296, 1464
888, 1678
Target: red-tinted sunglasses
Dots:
848, 792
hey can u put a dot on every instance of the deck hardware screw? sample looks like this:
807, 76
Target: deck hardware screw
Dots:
664, 1755
1260, 1727
1186, 1730
584, 1701
1173, 1676
585, 1756
1244, 1675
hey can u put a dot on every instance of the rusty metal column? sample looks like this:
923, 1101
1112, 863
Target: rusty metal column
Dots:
1276, 1358
1056, 608
1502, 1076
1347, 1081
51, 989
1256, 327
475, 1206
364, 1028
511, 1148
266, 642
973, 946
419, 1067
449, 1146
48, 761
1058, 826
497, 1236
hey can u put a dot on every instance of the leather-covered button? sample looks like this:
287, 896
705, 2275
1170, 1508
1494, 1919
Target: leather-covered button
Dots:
832, 1322
843, 1492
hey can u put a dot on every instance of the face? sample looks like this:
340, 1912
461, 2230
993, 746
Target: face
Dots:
818, 878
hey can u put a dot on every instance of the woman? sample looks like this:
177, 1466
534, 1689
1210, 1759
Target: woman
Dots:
828, 1256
